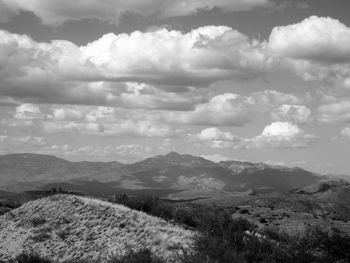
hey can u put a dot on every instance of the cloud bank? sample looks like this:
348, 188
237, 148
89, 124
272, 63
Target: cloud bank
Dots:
56, 12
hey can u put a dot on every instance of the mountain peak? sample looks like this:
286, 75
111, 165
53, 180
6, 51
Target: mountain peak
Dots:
173, 159
184, 158
172, 154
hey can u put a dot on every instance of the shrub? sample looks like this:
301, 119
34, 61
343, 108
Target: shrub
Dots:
63, 233
29, 258
40, 237
141, 256
223, 239
37, 221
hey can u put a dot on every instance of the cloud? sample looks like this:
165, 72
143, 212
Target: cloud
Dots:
95, 120
28, 112
275, 135
230, 109
215, 138
119, 128
7, 10
7, 101
68, 113
283, 129
273, 98
334, 112
120, 152
281, 135
56, 12
335, 76
56, 127
156, 70
292, 113
38, 72
345, 132
224, 109
144, 96
123, 152
13, 123
199, 57
10, 144
316, 49
213, 133
320, 39
149, 67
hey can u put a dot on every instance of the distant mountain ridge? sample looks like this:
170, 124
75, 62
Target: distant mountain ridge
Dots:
172, 171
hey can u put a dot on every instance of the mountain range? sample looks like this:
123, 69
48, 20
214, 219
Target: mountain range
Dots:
172, 172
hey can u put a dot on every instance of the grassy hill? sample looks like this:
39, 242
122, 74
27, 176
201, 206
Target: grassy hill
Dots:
63, 227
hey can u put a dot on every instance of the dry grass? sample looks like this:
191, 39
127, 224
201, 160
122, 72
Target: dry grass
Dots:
69, 227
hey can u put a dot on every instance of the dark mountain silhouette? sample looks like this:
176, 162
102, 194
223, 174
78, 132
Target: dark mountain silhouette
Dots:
167, 172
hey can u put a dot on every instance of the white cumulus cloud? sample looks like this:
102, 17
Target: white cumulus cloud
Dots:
171, 61
214, 134
315, 38
281, 135
275, 135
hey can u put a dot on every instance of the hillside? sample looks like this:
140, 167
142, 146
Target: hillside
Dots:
69, 227
168, 173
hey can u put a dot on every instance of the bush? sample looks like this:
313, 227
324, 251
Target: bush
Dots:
63, 233
231, 243
143, 203
29, 258
223, 239
37, 221
40, 237
141, 256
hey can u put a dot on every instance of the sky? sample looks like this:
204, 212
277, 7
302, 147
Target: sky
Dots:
254, 80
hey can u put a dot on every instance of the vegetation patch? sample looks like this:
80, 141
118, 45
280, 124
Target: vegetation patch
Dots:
225, 239
37, 221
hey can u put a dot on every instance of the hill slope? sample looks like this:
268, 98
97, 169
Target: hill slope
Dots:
66, 227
